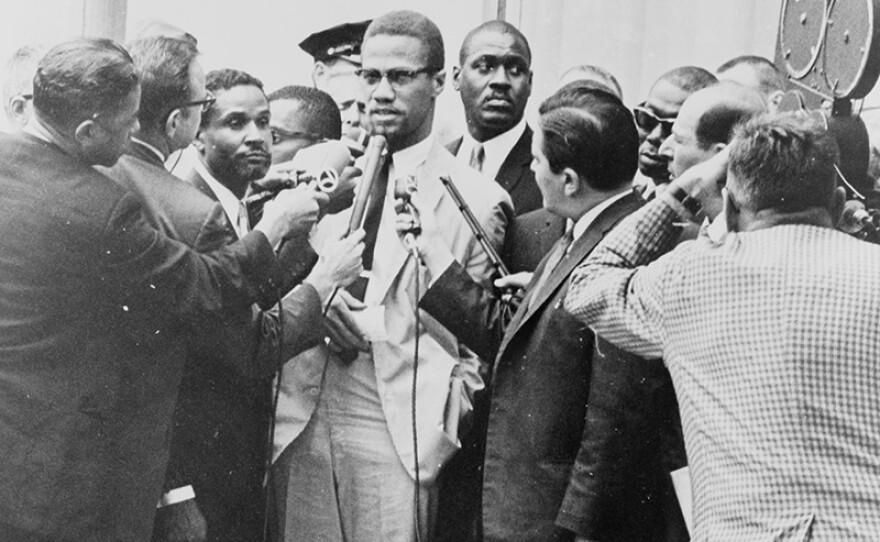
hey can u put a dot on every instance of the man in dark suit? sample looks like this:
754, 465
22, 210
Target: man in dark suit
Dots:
88, 292
494, 79
548, 474
173, 96
223, 417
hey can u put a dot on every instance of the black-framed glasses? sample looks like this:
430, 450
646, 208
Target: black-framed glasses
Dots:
397, 78
205, 103
647, 120
280, 134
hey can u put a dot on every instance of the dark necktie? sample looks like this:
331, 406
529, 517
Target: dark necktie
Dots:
372, 219
478, 155
556, 256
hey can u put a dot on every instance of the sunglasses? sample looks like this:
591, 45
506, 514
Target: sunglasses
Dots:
647, 120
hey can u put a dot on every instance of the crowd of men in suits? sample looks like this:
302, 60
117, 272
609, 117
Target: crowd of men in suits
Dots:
224, 354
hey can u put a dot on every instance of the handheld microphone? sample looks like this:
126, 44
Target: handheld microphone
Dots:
322, 163
404, 188
854, 217
372, 167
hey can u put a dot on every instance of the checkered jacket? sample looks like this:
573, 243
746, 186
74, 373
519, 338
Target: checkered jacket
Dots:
772, 338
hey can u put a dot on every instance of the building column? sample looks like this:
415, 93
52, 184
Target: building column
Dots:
105, 19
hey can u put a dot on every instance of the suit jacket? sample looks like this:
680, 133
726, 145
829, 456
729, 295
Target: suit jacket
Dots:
88, 292
540, 468
442, 359
515, 174
534, 230
222, 418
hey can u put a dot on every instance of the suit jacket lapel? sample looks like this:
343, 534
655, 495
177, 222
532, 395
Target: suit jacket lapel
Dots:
580, 249
518, 159
196, 180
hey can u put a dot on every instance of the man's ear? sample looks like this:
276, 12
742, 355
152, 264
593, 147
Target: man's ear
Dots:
199, 141
572, 182
172, 123
438, 82
731, 211
456, 78
18, 110
84, 133
774, 100
718, 147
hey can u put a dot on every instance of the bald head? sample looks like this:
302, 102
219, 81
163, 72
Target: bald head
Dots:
755, 72
705, 125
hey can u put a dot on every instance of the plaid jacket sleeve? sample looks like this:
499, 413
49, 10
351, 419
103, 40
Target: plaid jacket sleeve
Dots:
618, 289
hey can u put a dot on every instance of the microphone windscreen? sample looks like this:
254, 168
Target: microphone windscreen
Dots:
322, 156
372, 169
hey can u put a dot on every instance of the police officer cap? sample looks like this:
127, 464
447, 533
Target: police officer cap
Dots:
341, 41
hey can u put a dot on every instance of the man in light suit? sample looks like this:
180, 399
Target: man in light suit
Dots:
353, 470
494, 78
89, 291
553, 469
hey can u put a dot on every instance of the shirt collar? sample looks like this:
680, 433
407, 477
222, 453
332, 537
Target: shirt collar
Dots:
407, 161
150, 148
495, 149
227, 199
590, 216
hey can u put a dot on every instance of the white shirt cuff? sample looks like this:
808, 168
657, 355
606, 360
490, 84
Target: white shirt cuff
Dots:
177, 495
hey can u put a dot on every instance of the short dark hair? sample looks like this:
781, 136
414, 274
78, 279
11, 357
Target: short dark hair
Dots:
495, 25
82, 77
589, 130
163, 67
783, 161
733, 104
412, 24
225, 79
689, 78
322, 115
770, 78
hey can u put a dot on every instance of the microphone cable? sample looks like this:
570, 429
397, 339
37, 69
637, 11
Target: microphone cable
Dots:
415, 434
267, 463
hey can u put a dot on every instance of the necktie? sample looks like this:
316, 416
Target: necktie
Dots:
478, 154
372, 219
556, 256
243, 223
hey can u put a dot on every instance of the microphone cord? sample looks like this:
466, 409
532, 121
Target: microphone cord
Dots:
267, 465
417, 494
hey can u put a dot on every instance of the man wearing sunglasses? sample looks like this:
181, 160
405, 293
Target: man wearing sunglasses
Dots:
654, 118
301, 117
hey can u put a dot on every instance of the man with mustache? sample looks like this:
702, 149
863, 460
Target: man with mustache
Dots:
222, 418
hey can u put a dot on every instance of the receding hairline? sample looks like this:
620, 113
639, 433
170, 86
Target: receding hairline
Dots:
495, 26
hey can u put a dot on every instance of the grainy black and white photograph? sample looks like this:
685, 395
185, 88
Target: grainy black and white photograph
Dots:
423, 271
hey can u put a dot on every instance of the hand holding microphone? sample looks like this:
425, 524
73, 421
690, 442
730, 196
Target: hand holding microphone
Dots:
322, 165
407, 224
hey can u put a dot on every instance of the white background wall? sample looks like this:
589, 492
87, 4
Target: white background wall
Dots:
636, 39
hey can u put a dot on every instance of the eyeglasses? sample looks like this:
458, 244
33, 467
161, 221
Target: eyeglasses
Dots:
280, 134
397, 78
206, 103
647, 120
25, 97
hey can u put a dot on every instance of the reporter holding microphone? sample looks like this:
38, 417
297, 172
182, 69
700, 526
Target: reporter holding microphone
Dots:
551, 468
